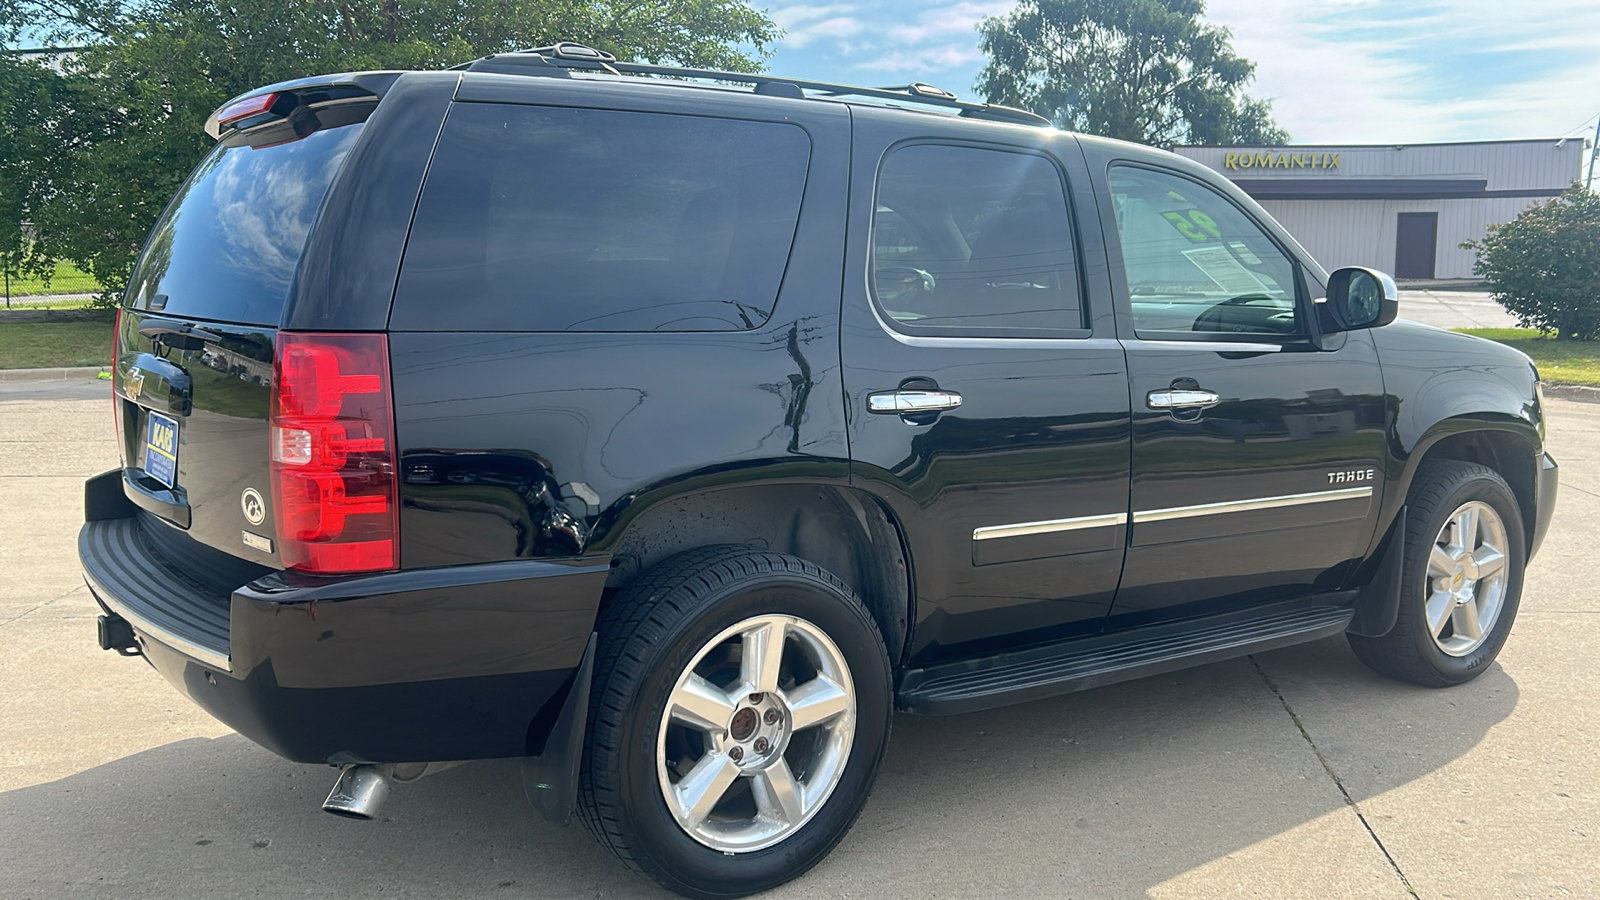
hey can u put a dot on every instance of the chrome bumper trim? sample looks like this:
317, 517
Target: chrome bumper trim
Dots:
141, 625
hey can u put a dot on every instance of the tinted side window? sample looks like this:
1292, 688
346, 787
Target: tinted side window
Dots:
1196, 263
552, 219
974, 241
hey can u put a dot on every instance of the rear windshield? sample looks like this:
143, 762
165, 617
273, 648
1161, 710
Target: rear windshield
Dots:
552, 219
227, 247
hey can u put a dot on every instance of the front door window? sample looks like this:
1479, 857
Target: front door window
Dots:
1197, 266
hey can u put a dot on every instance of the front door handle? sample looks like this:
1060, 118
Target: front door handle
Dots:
904, 402
1180, 398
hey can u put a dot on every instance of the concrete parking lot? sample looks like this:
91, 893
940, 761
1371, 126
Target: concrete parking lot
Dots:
1296, 773
1453, 308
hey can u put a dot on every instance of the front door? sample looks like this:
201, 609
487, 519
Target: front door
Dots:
987, 395
1415, 244
1256, 448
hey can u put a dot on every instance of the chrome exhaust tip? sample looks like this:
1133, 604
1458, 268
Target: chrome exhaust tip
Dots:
359, 793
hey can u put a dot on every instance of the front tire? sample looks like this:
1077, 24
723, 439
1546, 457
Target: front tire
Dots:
1462, 578
741, 706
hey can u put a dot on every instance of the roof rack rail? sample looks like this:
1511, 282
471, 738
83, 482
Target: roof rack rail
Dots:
554, 60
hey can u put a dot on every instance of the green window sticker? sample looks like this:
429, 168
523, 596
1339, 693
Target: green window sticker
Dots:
1193, 224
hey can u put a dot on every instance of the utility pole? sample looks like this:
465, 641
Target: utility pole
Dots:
1593, 154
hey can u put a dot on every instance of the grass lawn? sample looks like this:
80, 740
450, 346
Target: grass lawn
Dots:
1568, 362
46, 345
68, 279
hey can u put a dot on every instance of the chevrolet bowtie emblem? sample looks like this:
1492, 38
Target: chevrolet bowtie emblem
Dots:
135, 384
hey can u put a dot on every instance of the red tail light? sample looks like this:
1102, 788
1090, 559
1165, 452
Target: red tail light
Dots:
333, 453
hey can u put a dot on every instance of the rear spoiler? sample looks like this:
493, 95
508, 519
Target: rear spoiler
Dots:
276, 102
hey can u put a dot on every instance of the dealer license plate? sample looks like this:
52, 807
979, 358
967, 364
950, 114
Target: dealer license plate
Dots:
161, 449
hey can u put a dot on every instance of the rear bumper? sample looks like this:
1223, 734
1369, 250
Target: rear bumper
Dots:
466, 662
1545, 502
132, 581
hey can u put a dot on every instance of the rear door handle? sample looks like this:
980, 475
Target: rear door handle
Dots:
899, 403
1181, 399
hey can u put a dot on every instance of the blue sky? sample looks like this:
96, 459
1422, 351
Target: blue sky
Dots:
1338, 71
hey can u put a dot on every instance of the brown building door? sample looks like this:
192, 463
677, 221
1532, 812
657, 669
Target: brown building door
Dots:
1416, 236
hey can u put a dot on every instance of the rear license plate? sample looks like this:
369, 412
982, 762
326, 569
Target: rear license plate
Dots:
161, 449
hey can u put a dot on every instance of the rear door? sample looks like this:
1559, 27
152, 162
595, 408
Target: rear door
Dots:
1257, 448
194, 346
986, 394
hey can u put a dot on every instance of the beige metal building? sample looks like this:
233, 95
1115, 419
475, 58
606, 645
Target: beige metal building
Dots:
1402, 209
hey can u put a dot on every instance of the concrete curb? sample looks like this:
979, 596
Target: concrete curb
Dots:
56, 315
51, 298
1475, 285
1582, 393
66, 374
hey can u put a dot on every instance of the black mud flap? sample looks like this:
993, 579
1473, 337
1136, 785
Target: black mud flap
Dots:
551, 779
1378, 604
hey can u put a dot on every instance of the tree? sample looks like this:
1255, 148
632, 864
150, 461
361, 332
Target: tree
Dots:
32, 164
1544, 265
25, 88
1140, 70
153, 70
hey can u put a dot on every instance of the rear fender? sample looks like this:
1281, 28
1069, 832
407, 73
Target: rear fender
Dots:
841, 530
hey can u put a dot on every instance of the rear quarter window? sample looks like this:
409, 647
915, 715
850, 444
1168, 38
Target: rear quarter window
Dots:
554, 219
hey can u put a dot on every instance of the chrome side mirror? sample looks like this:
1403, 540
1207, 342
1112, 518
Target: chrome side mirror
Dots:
1359, 298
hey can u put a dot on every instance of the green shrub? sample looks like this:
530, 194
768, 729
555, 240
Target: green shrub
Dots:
1544, 265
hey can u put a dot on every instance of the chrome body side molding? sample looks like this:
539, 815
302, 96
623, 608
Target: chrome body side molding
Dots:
1020, 529
990, 532
1231, 506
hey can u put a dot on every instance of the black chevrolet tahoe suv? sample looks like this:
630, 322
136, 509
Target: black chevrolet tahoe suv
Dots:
672, 433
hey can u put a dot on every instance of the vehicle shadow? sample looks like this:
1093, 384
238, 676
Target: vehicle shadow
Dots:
1106, 793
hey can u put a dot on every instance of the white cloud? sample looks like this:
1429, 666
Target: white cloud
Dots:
962, 18
922, 59
790, 16
838, 27
888, 39
804, 24
1358, 71
1476, 69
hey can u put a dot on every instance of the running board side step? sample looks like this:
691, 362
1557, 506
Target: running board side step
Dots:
1085, 663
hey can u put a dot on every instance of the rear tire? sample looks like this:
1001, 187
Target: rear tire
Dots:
691, 776
1461, 582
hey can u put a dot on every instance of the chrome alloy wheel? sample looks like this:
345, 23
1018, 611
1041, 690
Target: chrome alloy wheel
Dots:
756, 733
1466, 578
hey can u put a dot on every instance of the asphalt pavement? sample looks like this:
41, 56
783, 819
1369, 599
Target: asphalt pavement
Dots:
1292, 774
